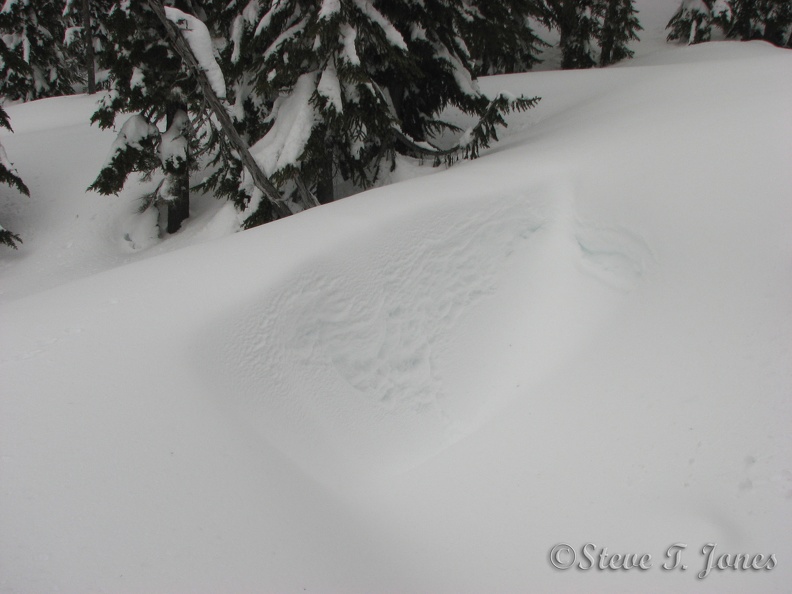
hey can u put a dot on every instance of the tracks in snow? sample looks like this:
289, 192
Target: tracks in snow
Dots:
346, 367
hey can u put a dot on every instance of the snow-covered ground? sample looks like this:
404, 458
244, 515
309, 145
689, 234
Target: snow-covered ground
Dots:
583, 337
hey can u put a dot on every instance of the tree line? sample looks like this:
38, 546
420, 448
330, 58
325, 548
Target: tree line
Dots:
282, 102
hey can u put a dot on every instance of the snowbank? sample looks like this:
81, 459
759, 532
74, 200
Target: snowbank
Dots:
582, 337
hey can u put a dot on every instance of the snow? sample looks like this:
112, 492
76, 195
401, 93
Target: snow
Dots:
135, 129
251, 11
417, 32
173, 144
8, 6
200, 42
330, 87
721, 8
329, 9
582, 337
695, 6
237, 29
266, 20
349, 50
283, 37
138, 79
71, 35
295, 120
391, 34
461, 75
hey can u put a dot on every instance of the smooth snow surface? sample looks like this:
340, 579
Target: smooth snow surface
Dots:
582, 337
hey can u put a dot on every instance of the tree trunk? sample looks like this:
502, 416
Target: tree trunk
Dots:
178, 202
325, 191
574, 38
609, 33
179, 208
566, 23
90, 66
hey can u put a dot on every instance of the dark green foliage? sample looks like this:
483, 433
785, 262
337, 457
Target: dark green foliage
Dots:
323, 91
140, 147
8, 177
10, 239
371, 80
486, 130
502, 41
477, 137
15, 74
138, 155
576, 26
85, 32
693, 21
145, 74
35, 62
591, 31
619, 26
299, 61
768, 20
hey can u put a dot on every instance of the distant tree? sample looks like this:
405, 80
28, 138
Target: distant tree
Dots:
768, 20
619, 26
88, 40
693, 21
591, 32
9, 177
83, 21
577, 26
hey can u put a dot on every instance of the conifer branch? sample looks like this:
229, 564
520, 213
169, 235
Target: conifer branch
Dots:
477, 137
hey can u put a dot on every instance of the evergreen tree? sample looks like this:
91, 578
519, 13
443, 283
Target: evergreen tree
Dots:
502, 40
35, 62
619, 26
345, 85
693, 21
8, 177
591, 31
577, 26
84, 32
146, 76
162, 64
769, 20
324, 92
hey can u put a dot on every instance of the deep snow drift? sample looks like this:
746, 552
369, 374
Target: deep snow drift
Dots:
583, 337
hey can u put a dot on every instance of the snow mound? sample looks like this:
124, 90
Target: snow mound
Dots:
583, 337
345, 366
